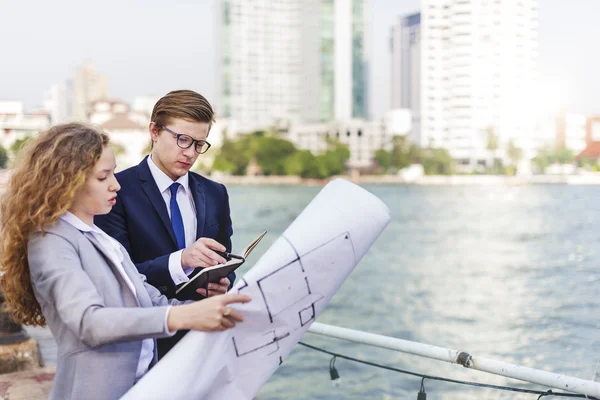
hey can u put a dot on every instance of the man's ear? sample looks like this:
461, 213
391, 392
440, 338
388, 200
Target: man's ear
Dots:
154, 131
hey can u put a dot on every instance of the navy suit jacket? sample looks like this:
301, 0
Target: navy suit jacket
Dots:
140, 222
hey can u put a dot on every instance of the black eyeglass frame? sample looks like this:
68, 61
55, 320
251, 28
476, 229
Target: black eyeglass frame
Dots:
193, 141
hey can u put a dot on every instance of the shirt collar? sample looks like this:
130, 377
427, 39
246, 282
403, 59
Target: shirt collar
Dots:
163, 181
76, 222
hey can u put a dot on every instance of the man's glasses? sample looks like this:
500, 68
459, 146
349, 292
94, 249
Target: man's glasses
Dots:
186, 141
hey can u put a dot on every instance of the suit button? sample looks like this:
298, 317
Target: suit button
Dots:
162, 289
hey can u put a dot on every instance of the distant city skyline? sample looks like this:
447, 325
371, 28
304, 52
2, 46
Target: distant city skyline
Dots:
149, 48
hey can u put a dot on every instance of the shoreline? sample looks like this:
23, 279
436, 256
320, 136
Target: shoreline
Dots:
427, 180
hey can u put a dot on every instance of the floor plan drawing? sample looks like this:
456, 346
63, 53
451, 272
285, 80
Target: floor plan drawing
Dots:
299, 300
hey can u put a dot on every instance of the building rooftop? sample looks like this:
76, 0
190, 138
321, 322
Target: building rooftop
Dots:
121, 122
591, 151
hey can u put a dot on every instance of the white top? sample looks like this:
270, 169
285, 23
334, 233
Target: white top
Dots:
113, 249
185, 201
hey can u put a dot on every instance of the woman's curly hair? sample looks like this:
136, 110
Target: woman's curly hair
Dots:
50, 171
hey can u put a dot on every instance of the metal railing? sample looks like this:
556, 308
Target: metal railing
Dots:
548, 379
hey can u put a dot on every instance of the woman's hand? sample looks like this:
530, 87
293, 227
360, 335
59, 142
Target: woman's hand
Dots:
212, 314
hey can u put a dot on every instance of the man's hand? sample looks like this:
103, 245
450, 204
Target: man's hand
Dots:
215, 289
201, 255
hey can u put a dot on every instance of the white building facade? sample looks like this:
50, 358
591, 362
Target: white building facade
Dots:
478, 73
15, 124
56, 103
405, 48
362, 137
127, 129
571, 131
293, 61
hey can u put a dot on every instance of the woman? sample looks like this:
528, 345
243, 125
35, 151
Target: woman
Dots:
62, 270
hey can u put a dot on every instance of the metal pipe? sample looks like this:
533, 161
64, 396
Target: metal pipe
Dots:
549, 379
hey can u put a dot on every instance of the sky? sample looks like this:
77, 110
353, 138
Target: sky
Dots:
149, 47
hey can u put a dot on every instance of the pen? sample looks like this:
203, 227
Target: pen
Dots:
228, 256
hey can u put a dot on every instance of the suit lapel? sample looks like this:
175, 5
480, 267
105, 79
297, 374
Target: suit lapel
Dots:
199, 203
155, 197
135, 277
113, 267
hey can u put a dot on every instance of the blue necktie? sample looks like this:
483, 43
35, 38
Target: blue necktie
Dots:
176, 219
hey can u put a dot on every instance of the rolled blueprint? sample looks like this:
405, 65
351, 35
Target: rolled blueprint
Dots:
290, 285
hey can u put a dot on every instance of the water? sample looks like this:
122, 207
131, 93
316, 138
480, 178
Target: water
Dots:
503, 272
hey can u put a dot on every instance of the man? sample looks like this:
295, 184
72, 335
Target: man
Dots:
169, 219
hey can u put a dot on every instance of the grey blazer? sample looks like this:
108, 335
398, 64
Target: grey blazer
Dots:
94, 316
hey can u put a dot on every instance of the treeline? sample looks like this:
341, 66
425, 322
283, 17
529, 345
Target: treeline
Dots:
404, 154
273, 155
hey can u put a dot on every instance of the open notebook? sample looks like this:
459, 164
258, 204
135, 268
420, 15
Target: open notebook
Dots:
187, 291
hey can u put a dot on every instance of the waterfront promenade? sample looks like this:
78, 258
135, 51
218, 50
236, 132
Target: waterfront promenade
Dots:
27, 385
426, 180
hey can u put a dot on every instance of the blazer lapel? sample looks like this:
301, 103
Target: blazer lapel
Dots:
134, 276
113, 267
155, 197
199, 203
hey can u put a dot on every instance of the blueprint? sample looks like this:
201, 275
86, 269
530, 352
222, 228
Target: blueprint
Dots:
290, 285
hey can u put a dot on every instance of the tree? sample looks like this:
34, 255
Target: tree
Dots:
117, 148
383, 159
400, 152
437, 162
514, 153
3, 157
19, 144
562, 156
271, 154
318, 169
492, 146
547, 157
301, 163
492, 139
277, 156
148, 148
589, 163
336, 157
415, 154
541, 161
232, 157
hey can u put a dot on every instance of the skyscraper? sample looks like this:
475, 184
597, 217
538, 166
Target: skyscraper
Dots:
405, 46
293, 60
88, 86
478, 62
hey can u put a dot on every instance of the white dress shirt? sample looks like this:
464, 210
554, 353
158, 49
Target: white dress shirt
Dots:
113, 249
185, 201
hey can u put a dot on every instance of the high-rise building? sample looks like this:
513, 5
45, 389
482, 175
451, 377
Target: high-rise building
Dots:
405, 46
293, 60
56, 103
478, 72
89, 86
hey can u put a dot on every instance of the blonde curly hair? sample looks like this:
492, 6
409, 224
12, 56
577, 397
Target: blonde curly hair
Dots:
52, 169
